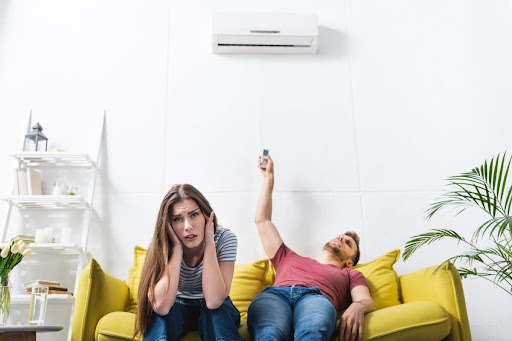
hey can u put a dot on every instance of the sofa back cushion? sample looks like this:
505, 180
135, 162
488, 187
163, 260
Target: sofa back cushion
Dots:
248, 281
134, 277
98, 294
382, 279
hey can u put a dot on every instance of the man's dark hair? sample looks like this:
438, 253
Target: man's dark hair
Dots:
354, 236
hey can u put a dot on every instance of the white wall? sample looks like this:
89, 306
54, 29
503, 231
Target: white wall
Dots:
400, 95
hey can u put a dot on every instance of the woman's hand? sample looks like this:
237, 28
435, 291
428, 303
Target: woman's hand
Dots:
164, 294
209, 232
176, 242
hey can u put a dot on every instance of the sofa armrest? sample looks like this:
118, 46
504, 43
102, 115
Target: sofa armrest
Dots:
444, 288
98, 294
409, 321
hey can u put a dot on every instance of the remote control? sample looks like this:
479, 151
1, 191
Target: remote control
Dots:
263, 161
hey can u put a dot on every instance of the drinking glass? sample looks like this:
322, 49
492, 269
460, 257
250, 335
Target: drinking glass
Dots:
37, 309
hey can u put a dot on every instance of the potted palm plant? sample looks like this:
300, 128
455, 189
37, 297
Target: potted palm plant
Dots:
488, 188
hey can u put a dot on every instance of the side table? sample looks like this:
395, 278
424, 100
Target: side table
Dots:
24, 333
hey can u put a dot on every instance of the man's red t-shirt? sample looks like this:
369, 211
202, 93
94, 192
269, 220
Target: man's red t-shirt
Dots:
335, 283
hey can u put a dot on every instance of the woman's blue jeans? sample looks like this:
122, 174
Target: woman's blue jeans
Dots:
291, 313
187, 315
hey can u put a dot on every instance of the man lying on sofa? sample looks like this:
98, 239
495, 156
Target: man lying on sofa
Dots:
307, 293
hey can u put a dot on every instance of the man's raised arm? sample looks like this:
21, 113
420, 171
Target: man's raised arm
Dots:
269, 235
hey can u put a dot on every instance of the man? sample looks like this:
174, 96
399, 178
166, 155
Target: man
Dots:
307, 293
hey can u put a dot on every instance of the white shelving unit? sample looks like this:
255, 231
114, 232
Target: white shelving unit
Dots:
52, 299
82, 206
65, 202
54, 159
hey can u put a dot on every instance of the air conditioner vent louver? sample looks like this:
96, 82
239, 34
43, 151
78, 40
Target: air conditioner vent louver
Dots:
262, 31
265, 45
277, 33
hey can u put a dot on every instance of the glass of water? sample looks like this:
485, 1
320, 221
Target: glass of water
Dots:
37, 309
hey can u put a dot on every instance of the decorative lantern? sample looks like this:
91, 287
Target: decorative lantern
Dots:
35, 140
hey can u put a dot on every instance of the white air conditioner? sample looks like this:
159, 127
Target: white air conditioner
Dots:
278, 33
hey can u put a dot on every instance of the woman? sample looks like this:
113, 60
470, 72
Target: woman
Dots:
187, 274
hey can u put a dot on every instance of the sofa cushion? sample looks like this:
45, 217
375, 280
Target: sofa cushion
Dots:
422, 321
382, 279
98, 293
418, 321
248, 281
120, 325
139, 256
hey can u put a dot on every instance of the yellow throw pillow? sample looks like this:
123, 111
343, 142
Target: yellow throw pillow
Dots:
98, 294
382, 279
248, 281
134, 277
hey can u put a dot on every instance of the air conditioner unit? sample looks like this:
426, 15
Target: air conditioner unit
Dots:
277, 33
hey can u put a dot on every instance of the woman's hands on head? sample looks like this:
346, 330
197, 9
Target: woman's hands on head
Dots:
209, 232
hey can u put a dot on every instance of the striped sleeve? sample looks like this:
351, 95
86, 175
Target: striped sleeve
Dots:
226, 245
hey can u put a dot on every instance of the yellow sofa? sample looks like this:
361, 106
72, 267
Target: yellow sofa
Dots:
415, 306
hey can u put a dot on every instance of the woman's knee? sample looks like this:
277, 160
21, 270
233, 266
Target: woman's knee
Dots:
167, 327
221, 323
226, 311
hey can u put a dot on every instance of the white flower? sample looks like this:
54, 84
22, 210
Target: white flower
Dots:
22, 246
15, 249
5, 252
26, 252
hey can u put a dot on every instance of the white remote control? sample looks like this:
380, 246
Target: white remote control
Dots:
263, 161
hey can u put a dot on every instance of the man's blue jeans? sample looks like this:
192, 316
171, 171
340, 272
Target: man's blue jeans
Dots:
188, 315
288, 313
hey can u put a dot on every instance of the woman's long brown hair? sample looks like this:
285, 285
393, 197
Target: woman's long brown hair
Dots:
159, 251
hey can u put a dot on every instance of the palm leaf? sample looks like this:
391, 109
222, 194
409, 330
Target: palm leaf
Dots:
483, 187
500, 223
505, 249
464, 272
499, 191
488, 188
508, 201
427, 238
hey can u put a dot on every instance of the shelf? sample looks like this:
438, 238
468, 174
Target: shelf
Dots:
52, 299
56, 248
54, 159
29, 328
53, 202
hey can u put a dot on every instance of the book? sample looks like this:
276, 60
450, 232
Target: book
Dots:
31, 284
61, 289
22, 181
25, 238
34, 185
53, 292
57, 288
57, 292
15, 182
